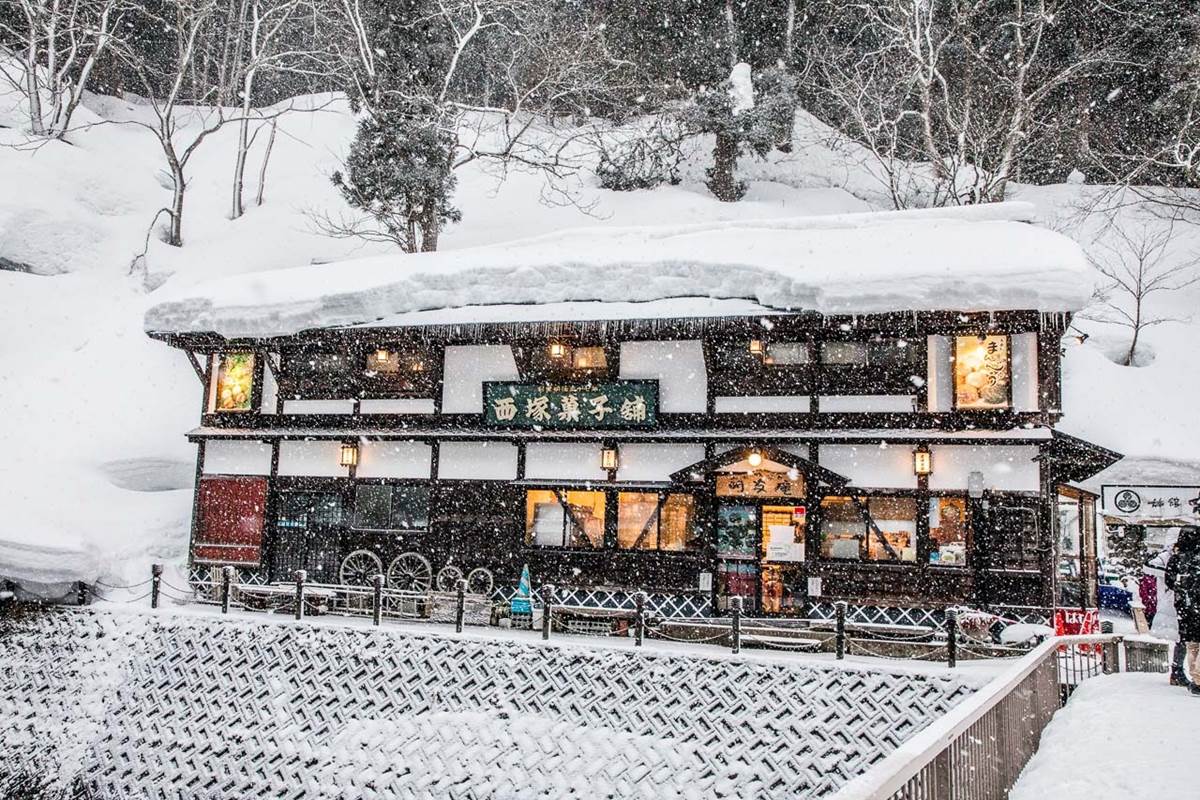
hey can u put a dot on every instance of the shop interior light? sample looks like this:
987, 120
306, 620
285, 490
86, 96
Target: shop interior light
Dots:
608, 458
754, 459
757, 347
382, 356
557, 349
349, 454
922, 461
418, 366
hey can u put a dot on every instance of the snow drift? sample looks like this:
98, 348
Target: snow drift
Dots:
969, 258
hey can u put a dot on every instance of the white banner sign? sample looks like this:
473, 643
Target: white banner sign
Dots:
1148, 504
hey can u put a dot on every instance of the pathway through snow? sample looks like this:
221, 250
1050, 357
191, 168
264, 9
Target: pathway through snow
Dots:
1124, 737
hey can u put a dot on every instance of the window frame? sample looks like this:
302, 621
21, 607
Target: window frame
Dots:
874, 377
1008, 402
537, 365
216, 361
968, 531
920, 524
612, 492
664, 496
560, 493
351, 522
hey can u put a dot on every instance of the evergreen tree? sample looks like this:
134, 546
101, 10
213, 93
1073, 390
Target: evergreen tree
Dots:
1127, 551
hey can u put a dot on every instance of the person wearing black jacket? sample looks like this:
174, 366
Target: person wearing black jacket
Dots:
1179, 649
1185, 580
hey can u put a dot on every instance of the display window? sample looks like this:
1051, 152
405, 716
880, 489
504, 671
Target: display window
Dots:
656, 521
948, 531
396, 507
982, 372
556, 518
233, 386
869, 528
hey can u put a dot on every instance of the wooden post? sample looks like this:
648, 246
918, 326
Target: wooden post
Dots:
839, 609
301, 577
226, 587
547, 608
155, 583
460, 607
951, 637
81, 593
735, 605
377, 599
639, 622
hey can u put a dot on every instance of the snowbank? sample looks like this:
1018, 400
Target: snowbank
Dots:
972, 258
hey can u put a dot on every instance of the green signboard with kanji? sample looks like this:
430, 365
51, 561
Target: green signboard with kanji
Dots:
618, 404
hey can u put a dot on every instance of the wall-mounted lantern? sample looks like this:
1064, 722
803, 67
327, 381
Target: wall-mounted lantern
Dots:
608, 458
755, 458
922, 461
348, 456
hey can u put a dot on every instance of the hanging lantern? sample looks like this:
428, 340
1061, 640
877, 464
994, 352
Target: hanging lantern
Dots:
608, 458
557, 349
349, 454
382, 356
757, 347
755, 458
922, 461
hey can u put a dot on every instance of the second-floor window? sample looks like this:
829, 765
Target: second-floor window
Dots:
982, 372
233, 383
565, 361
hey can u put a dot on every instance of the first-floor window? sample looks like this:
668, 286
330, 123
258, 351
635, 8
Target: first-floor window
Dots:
656, 521
564, 518
948, 531
869, 528
394, 507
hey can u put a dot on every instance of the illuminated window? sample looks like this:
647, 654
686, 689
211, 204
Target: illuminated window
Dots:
648, 521
234, 387
383, 360
981, 372
948, 531
588, 358
572, 519
875, 529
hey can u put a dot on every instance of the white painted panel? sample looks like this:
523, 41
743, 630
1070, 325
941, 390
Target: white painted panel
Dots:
655, 462
394, 459
797, 449
318, 406
940, 355
1023, 347
492, 461
237, 458
862, 403
678, 367
563, 461
1004, 467
270, 389
398, 405
317, 459
467, 367
871, 466
754, 404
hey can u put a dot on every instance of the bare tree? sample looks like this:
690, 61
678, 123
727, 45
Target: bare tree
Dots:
61, 42
1139, 265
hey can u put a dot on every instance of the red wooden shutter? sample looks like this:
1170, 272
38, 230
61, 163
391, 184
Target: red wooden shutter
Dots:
231, 516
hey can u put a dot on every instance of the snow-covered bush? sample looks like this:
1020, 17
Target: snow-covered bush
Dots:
644, 162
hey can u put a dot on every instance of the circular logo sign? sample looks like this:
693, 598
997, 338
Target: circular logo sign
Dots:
1127, 500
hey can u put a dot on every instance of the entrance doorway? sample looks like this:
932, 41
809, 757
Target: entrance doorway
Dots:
760, 556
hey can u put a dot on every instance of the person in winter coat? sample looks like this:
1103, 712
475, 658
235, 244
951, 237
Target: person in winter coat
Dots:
1184, 572
1162, 568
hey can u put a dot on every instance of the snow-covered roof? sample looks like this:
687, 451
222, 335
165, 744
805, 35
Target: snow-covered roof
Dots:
985, 257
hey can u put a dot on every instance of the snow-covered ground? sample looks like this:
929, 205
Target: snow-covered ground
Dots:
95, 474
1129, 736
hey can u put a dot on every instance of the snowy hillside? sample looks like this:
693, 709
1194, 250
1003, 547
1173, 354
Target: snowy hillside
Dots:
96, 476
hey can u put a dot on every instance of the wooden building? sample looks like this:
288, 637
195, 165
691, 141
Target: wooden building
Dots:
694, 449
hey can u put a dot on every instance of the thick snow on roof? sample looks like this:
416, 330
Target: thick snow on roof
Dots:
971, 258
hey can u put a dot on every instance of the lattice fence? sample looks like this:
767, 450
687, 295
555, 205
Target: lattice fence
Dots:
168, 706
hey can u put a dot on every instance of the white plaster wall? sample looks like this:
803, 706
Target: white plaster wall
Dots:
394, 459
677, 366
940, 353
563, 461
237, 458
315, 459
801, 450
1024, 371
318, 406
857, 403
399, 405
871, 465
1004, 467
495, 461
466, 368
753, 404
655, 462
270, 387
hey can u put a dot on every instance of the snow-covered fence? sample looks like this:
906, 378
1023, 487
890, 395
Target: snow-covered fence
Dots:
978, 749
196, 705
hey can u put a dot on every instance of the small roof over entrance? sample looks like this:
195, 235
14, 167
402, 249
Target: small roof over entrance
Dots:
734, 459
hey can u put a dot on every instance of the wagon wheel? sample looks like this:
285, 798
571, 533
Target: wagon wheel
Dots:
359, 567
479, 581
448, 578
410, 572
